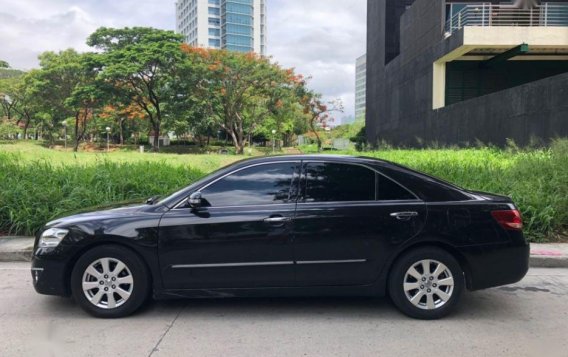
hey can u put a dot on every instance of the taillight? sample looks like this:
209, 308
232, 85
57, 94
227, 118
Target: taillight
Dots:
510, 219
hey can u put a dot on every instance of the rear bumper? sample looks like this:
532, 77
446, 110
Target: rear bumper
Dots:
496, 265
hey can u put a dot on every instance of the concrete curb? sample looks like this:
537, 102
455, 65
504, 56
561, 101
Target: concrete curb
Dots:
19, 249
549, 255
16, 249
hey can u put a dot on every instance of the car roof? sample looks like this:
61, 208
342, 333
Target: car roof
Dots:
319, 157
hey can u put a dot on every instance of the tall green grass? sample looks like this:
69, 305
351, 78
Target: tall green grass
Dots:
537, 179
34, 192
39, 184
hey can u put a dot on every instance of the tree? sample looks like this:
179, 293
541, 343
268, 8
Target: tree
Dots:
8, 130
7, 100
67, 90
360, 139
84, 99
242, 89
121, 114
4, 64
317, 111
25, 93
140, 64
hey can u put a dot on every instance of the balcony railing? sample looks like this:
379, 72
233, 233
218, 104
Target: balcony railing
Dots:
499, 15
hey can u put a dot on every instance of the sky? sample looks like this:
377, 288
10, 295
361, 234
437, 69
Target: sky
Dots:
319, 38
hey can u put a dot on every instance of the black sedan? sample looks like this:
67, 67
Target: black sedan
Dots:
289, 226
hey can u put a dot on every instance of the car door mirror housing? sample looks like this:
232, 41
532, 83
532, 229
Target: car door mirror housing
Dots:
195, 201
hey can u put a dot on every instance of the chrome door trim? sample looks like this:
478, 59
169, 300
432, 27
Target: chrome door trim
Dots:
229, 265
347, 261
256, 264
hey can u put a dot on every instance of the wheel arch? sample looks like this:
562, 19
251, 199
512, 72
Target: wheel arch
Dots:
462, 261
99, 243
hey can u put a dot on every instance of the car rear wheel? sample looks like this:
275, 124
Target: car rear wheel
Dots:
110, 282
426, 283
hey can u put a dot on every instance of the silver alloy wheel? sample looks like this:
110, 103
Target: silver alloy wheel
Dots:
107, 283
428, 284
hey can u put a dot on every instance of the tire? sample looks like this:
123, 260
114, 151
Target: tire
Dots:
434, 297
118, 270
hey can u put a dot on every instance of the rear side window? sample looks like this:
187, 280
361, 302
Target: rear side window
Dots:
331, 182
392, 191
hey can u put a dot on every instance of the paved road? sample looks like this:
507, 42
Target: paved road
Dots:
527, 319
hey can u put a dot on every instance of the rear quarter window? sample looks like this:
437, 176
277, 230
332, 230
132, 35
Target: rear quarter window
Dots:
427, 188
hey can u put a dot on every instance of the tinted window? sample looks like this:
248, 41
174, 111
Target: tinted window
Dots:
326, 182
391, 191
258, 185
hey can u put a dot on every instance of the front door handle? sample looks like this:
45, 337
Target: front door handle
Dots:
404, 216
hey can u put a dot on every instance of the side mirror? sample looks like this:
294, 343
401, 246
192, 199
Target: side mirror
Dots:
195, 200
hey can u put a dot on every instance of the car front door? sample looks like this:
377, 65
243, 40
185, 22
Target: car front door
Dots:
240, 238
344, 225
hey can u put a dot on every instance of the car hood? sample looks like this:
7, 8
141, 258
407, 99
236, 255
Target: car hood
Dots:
117, 210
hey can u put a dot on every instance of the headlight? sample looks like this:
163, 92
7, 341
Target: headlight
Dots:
52, 237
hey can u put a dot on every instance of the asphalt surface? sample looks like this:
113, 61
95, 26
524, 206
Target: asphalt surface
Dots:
526, 319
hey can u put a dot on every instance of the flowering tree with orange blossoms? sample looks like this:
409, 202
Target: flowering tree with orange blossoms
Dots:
319, 113
120, 114
242, 89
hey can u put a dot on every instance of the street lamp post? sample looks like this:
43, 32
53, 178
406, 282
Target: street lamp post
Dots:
65, 127
273, 141
108, 138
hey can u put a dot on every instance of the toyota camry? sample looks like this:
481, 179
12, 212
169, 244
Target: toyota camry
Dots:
289, 226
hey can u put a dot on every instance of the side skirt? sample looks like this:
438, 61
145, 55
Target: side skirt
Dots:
338, 291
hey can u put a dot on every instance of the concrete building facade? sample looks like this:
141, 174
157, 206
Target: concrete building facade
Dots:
455, 72
360, 86
236, 25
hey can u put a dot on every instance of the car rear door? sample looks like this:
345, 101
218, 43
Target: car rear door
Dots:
344, 227
240, 239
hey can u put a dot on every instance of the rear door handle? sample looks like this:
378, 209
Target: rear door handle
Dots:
404, 216
277, 220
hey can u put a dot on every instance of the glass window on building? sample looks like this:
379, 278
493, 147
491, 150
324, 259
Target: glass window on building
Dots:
214, 32
213, 42
214, 11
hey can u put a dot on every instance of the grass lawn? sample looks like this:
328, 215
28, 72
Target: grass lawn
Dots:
32, 151
38, 184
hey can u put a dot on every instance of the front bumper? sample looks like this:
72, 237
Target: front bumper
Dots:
50, 276
496, 265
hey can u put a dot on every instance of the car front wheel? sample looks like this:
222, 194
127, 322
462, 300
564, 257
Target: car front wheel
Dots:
426, 283
110, 282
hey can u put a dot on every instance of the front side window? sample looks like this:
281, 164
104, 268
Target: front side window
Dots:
257, 185
331, 182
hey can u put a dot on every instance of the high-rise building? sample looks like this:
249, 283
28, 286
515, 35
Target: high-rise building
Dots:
235, 25
360, 86
456, 72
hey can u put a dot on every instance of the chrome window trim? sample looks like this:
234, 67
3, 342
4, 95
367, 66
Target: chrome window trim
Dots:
365, 203
302, 175
176, 206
